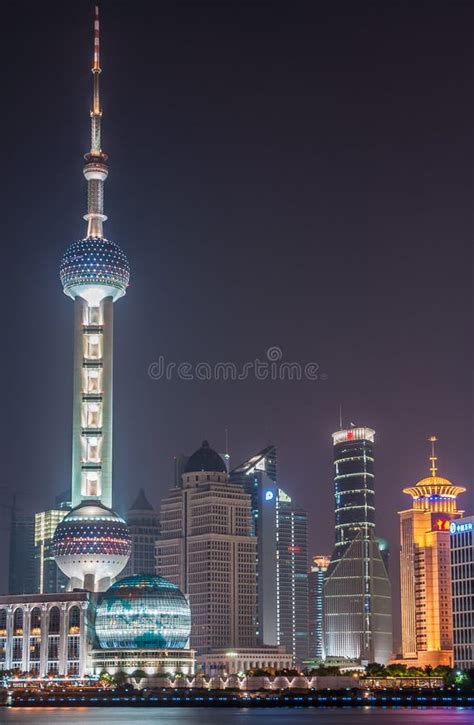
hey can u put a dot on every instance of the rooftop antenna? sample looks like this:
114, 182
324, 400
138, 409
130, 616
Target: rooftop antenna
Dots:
433, 457
340, 416
96, 170
227, 454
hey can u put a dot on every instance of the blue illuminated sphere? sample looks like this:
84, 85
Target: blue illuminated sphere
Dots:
143, 612
94, 262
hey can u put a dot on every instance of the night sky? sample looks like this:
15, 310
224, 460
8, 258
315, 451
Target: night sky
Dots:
281, 174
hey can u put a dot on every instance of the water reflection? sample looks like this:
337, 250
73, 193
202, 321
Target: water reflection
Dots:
237, 716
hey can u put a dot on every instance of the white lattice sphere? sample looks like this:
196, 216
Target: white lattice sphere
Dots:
92, 540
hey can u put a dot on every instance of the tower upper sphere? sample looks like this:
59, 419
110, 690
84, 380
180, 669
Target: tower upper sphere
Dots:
94, 266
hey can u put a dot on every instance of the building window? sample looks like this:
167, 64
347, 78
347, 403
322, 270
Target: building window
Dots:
54, 621
74, 620
18, 621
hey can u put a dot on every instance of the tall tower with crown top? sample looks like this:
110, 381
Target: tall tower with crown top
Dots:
425, 569
92, 544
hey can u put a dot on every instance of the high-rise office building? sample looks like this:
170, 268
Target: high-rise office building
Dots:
207, 549
292, 576
92, 543
462, 575
280, 526
49, 577
144, 526
257, 476
21, 575
357, 597
425, 569
316, 574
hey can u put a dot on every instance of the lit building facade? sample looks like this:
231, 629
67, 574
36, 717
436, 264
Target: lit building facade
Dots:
50, 578
316, 577
207, 549
357, 594
425, 570
240, 661
47, 634
94, 274
462, 575
144, 526
280, 526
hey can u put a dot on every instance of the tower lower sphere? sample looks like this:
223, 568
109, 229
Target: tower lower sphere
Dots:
91, 546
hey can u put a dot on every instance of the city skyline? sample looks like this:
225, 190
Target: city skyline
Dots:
316, 402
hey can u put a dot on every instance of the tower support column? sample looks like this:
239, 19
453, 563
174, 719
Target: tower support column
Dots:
107, 309
80, 306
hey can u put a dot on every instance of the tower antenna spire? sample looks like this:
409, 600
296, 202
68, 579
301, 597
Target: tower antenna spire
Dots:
96, 111
96, 170
433, 457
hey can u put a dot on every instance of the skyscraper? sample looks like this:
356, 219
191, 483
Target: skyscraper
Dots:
92, 544
21, 574
144, 526
280, 526
206, 547
462, 574
49, 577
317, 572
425, 570
357, 606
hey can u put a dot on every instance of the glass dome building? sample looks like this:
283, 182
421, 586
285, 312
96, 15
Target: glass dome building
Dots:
143, 612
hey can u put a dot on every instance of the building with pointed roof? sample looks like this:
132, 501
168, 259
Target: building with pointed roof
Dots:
144, 526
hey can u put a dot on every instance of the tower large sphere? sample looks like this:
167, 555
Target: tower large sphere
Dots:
143, 612
93, 263
92, 543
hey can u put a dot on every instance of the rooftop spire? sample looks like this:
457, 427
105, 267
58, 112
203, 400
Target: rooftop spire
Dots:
433, 458
96, 65
96, 170
96, 111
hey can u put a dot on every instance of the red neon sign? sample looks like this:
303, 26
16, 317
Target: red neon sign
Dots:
294, 549
441, 524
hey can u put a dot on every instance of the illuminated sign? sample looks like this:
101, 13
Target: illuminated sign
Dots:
353, 434
294, 549
269, 495
440, 525
460, 528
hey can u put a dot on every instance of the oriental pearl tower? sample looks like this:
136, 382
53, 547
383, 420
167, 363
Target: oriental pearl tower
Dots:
92, 544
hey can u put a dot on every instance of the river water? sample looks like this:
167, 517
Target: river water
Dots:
235, 716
